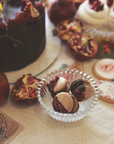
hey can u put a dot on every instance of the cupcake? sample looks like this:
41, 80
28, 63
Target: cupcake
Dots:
111, 19
93, 13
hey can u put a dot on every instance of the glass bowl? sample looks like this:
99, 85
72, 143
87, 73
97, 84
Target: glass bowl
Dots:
45, 98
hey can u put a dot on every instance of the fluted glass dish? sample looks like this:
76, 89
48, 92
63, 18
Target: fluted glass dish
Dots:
45, 98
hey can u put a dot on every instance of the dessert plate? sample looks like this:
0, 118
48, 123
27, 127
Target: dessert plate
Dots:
49, 55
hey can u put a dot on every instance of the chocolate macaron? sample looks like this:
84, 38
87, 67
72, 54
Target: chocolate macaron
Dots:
83, 92
65, 103
76, 104
81, 89
77, 83
59, 84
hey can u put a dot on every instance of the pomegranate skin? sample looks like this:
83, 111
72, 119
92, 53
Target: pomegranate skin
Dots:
82, 47
79, 56
4, 88
58, 12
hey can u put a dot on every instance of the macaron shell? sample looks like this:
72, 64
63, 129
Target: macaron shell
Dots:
76, 104
51, 86
88, 92
77, 83
85, 81
57, 106
67, 88
104, 69
60, 85
83, 92
66, 100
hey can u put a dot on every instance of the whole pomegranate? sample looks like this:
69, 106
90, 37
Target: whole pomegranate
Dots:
59, 10
4, 88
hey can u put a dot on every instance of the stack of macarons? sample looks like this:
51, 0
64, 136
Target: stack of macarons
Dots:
66, 97
65, 103
81, 89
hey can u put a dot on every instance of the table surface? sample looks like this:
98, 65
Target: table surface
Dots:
97, 127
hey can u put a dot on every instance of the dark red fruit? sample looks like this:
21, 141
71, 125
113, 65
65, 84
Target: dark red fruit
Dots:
12, 24
39, 6
96, 5
4, 88
2, 27
23, 3
60, 10
107, 46
91, 1
20, 17
109, 3
31, 12
32, 1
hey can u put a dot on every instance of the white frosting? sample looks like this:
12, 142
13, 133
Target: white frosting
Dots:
90, 16
104, 1
111, 18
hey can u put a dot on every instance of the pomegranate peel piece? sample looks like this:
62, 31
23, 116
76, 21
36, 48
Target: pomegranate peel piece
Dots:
31, 12
24, 91
82, 47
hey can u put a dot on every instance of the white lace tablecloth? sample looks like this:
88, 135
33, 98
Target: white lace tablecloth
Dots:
97, 127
